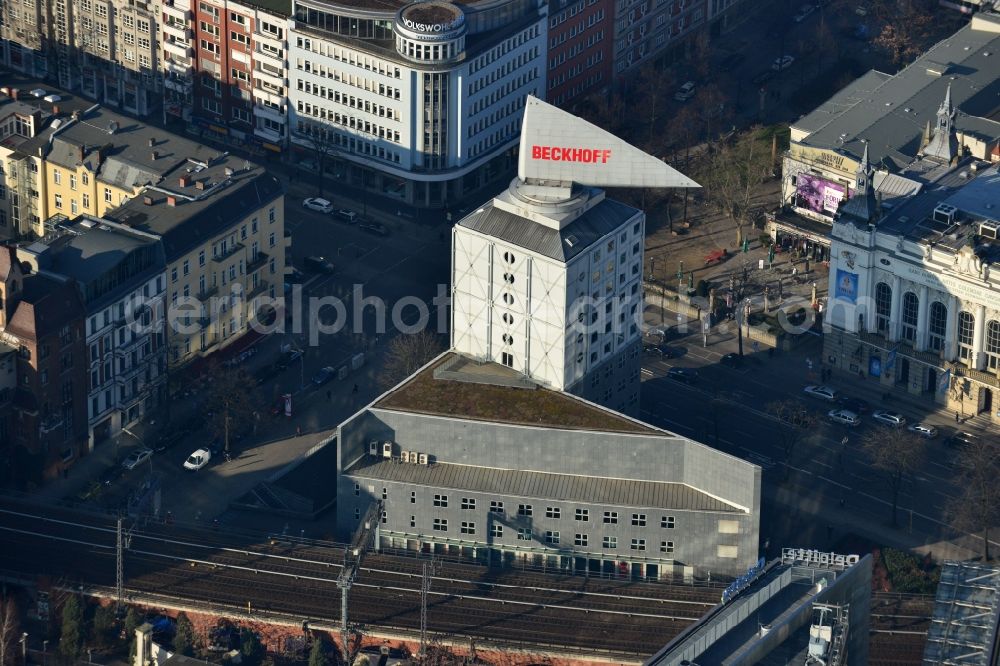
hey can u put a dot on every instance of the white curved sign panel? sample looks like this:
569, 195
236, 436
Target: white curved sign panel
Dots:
558, 146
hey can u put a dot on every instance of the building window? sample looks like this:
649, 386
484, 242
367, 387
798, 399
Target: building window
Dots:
553, 512
667, 522
385, 493
524, 510
496, 531
413, 497
638, 520
413, 521
966, 330
468, 528
610, 517
357, 489
59, 201
57, 177
993, 345
552, 537
524, 534
937, 325
201, 258
507, 359
440, 524
667, 547
610, 542
581, 540
638, 544
496, 506
107, 195
883, 306
441, 500
468, 502
911, 306
85, 200
187, 267
72, 181
583, 515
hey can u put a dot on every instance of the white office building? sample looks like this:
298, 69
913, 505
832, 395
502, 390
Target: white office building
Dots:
420, 101
547, 276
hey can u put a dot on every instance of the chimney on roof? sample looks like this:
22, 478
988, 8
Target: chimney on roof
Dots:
55, 110
14, 93
148, 200
154, 155
83, 153
184, 181
171, 201
152, 142
199, 184
76, 114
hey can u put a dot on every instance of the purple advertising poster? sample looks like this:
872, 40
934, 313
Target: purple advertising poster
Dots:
819, 195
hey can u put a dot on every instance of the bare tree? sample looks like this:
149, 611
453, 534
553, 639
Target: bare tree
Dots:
742, 284
733, 175
323, 144
977, 506
408, 353
796, 423
231, 403
896, 452
907, 24
10, 630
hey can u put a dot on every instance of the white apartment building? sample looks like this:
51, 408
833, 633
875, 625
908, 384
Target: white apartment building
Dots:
177, 61
547, 276
120, 275
421, 101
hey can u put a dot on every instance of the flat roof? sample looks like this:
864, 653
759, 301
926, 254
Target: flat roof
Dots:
892, 115
544, 485
423, 393
87, 253
966, 620
562, 244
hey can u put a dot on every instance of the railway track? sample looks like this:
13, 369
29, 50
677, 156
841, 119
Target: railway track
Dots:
466, 600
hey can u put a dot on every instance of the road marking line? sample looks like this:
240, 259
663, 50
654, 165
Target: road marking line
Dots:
836, 483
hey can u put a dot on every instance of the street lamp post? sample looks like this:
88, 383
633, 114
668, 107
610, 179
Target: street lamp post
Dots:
45, 650
24, 648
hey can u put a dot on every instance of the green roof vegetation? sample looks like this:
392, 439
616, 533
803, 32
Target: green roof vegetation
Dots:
425, 394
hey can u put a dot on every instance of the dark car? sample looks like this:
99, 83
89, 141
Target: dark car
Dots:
961, 439
686, 375
287, 358
374, 228
856, 405
111, 474
324, 375
731, 360
319, 265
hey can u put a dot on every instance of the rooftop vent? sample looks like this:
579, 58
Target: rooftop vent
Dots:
88, 224
945, 213
148, 201
936, 68
154, 155
988, 230
112, 127
571, 240
184, 181
229, 172
199, 185
152, 142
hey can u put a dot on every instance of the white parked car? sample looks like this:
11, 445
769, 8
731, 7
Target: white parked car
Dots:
318, 205
198, 459
844, 416
888, 418
821, 392
784, 62
924, 430
685, 92
136, 458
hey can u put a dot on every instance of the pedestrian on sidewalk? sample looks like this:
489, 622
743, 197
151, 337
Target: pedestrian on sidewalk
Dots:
956, 418
298, 431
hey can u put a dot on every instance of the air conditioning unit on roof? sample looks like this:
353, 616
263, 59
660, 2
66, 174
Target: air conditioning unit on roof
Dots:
423, 459
404, 456
387, 449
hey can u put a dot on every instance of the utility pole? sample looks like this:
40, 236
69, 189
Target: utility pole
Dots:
364, 538
430, 568
120, 568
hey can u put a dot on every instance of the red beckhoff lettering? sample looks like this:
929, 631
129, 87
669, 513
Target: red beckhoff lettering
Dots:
561, 154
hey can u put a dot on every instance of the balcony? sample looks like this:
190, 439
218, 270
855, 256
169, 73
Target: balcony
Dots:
262, 286
174, 31
208, 293
176, 13
179, 66
178, 49
268, 112
179, 84
261, 260
230, 251
275, 81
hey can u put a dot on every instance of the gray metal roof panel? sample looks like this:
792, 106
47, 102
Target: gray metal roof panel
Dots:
842, 100
543, 485
893, 116
599, 221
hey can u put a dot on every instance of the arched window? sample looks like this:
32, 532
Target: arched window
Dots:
993, 344
966, 329
883, 306
911, 308
937, 325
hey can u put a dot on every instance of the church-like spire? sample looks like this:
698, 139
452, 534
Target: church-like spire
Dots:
862, 206
943, 145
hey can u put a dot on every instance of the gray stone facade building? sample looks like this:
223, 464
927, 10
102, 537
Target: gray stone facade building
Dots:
471, 459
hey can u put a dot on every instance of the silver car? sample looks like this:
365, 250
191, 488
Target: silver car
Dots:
891, 419
843, 416
821, 392
924, 430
